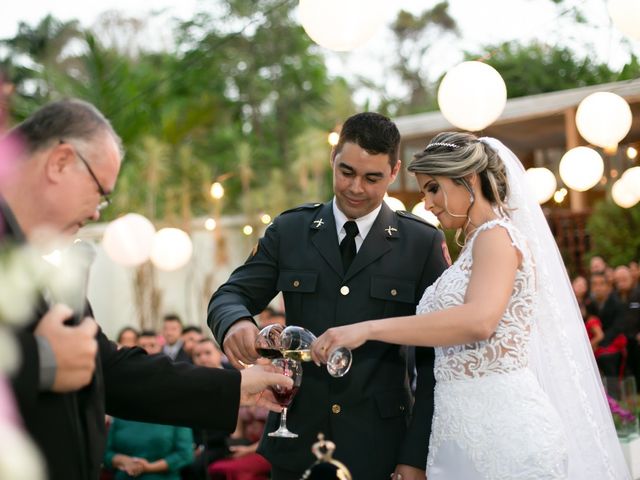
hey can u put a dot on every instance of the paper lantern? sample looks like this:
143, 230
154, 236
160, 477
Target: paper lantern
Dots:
172, 249
393, 203
623, 195
128, 239
425, 214
472, 95
631, 178
581, 168
542, 182
625, 15
342, 25
603, 119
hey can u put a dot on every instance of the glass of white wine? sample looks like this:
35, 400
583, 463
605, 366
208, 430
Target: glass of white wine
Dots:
295, 343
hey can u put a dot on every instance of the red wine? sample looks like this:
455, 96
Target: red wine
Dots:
269, 352
284, 395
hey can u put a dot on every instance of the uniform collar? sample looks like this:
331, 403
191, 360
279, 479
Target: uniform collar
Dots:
364, 223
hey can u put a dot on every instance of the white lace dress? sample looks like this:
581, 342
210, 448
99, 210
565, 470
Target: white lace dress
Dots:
491, 419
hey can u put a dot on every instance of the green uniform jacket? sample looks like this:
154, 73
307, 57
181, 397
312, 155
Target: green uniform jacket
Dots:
368, 413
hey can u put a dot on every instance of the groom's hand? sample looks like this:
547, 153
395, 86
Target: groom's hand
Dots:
239, 343
407, 472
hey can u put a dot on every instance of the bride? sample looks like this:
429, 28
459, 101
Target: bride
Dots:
518, 395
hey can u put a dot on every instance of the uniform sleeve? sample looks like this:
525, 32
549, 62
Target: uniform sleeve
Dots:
182, 453
250, 287
415, 447
153, 389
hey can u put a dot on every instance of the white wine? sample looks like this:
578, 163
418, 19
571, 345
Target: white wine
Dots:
299, 355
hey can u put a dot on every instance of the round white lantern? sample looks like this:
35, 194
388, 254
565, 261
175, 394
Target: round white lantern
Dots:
631, 178
393, 203
172, 249
425, 214
19, 456
128, 239
543, 183
472, 95
625, 15
622, 194
581, 168
603, 119
342, 25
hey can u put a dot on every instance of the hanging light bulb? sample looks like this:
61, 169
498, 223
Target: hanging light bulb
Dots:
393, 203
543, 182
472, 95
330, 23
581, 168
603, 119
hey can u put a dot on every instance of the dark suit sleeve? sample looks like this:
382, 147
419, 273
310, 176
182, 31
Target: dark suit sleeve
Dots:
249, 288
151, 388
415, 447
26, 380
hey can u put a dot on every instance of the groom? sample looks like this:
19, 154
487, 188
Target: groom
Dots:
337, 263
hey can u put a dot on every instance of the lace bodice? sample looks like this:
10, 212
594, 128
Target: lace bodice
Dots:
507, 349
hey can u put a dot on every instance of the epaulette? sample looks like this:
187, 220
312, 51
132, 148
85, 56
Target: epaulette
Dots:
413, 217
305, 206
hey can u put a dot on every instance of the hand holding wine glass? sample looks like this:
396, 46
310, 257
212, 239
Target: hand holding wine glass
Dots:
297, 342
339, 338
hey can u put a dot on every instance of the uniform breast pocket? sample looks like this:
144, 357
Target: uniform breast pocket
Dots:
294, 284
398, 294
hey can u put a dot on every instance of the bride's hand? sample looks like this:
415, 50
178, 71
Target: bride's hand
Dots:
349, 336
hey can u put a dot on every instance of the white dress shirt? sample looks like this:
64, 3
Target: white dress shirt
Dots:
364, 224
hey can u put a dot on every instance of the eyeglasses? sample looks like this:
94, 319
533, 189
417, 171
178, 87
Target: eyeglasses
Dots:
106, 200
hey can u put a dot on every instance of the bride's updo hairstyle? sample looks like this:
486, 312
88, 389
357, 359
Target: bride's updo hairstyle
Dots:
457, 155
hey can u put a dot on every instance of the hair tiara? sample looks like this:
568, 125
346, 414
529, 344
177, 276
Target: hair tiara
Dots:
442, 144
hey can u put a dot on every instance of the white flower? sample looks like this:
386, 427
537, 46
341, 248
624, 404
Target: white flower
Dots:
19, 458
9, 353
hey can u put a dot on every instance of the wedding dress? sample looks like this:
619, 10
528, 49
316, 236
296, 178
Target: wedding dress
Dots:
527, 403
491, 419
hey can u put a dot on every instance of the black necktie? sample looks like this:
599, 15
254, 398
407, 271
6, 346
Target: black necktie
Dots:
348, 244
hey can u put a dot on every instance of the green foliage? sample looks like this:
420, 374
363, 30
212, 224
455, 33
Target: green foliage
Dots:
614, 232
243, 94
539, 68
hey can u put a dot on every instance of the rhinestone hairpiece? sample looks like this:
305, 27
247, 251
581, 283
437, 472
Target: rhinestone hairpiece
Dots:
442, 144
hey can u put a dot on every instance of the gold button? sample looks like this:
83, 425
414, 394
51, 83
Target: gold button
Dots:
296, 283
394, 292
335, 408
344, 290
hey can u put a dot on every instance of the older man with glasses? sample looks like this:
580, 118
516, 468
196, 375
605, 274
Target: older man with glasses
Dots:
71, 374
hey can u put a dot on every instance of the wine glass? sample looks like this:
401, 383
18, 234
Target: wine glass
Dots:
295, 343
267, 342
284, 395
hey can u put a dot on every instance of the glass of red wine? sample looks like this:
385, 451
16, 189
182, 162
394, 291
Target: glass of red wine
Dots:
267, 342
283, 395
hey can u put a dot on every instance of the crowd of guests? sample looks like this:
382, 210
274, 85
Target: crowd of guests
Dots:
155, 452
609, 298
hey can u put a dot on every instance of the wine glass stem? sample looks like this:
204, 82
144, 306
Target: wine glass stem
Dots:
283, 419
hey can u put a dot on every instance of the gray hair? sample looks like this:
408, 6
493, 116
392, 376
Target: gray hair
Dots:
456, 155
63, 120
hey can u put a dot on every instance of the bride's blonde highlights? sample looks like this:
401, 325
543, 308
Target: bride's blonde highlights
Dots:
457, 155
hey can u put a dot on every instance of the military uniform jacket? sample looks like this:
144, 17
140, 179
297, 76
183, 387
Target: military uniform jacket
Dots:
367, 413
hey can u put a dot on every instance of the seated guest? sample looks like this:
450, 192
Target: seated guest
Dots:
611, 352
146, 450
210, 445
245, 463
148, 340
127, 337
172, 331
191, 335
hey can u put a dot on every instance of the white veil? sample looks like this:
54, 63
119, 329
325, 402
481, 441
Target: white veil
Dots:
560, 352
